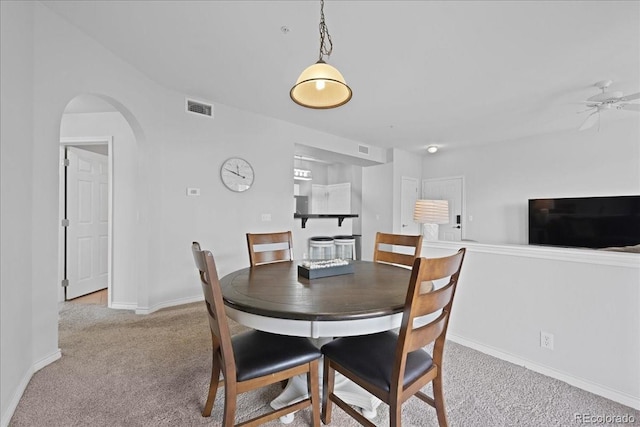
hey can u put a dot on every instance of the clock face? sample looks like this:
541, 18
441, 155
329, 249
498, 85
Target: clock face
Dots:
237, 174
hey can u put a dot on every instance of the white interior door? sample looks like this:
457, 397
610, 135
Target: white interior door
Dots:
450, 189
87, 211
407, 203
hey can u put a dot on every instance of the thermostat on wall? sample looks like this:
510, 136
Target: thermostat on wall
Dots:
193, 191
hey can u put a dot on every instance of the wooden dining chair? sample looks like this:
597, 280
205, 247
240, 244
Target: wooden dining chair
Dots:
280, 247
252, 359
394, 367
394, 248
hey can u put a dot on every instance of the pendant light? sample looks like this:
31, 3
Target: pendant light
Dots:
321, 86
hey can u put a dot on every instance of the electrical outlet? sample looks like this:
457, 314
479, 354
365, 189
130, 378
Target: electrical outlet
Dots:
266, 217
546, 340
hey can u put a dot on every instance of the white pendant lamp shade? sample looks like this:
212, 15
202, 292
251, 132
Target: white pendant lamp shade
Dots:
320, 86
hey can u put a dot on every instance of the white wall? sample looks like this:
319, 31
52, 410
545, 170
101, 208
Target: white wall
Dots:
356, 199
589, 300
16, 183
377, 209
500, 178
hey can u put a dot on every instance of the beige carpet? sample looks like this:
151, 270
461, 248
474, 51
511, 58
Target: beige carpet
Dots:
122, 369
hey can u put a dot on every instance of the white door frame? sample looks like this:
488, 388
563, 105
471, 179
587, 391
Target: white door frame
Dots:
463, 201
85, 141
418, 229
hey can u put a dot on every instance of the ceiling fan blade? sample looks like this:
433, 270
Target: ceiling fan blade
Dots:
605, 96
590, 121
630, 107
630, 97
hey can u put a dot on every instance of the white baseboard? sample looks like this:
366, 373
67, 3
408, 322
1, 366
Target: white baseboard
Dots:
149, 310
123, 306
600, 390
47, 360
13, 404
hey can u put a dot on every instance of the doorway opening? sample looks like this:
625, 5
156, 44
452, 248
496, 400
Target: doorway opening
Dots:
86, 205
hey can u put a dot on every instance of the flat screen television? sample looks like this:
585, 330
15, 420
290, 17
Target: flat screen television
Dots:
585, 222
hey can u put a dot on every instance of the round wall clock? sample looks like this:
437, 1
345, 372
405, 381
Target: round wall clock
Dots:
237, 174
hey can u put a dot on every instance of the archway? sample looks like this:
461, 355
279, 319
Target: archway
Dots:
101, 124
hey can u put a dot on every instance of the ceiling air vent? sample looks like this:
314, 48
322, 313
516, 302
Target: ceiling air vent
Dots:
201, 108
363, 149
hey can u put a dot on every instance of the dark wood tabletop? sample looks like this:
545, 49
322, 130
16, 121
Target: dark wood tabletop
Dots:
276, 290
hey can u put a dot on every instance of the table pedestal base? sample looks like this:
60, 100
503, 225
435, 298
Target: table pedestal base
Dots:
345, 389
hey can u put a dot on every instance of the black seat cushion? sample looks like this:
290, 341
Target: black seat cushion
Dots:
371, 357
260, 353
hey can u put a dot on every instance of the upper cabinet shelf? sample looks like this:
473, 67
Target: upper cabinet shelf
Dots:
341, 217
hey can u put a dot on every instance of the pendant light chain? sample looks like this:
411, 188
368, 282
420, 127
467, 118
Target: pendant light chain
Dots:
325, 50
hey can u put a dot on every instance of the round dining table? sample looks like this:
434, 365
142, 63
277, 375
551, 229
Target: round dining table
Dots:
278, 298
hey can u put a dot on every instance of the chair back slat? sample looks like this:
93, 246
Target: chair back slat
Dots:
395, 258
267, 257
270, 247
440, 268
399, 239
423, 335
409, 246
220, 334
433, 301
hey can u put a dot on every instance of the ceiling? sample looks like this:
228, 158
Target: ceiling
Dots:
450, 73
